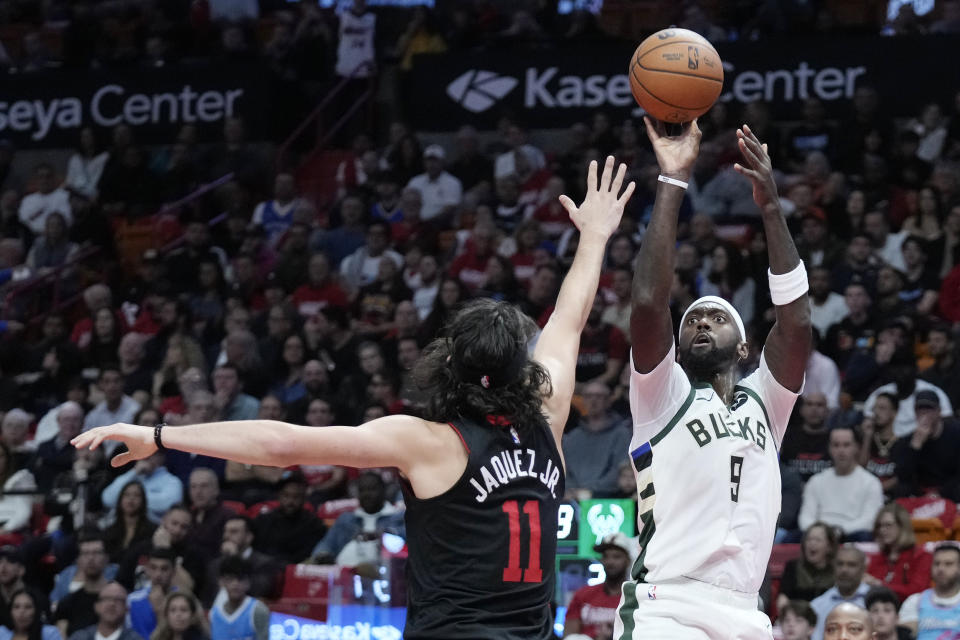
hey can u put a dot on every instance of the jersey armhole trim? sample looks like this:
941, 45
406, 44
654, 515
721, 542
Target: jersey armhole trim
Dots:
675, 419
467, 448
753, 394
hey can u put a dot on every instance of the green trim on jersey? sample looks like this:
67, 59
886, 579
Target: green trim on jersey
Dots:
676, 417
626, 611
753, 394
649, 527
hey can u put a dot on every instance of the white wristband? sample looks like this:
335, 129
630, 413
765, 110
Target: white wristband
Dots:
787, 287
677, 183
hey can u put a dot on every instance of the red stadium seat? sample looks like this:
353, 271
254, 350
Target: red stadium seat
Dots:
932, 516
235, 506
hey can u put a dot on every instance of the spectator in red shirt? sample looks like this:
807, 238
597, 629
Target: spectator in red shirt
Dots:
603, 349
320, 291
901, 565
593, 609
470, 267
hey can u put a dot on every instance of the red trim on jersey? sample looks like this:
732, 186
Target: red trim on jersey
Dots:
460, 435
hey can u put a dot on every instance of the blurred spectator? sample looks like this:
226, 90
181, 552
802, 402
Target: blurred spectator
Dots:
885, 243
115, 407
48, 198
361, 267
12, 571
57, 454
320, 290
826, 307
822, 375
111, 610
238, 542
471, 167
53, 248
275, 216
75, 610
900, 566
440, 191
603, 349
846, 496
595, 450
945, 370
290, 531
849, 565
817, 246
181, 618
171, 535
101, 351
728, 278
163, 489
229, 399
926, 459
201, 408
797, 620
130, 524
209, 514
811, 574
593, 609
144, 604
183, 264
14, 433
85, 166
883, 606
908, 388
137, 373
805, 445
354, 538
856, 331
934, 612
791, 496
238, 615
16, 509
348, 236
877, 453
27, 621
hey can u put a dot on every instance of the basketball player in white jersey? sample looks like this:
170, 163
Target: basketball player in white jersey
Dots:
705, 442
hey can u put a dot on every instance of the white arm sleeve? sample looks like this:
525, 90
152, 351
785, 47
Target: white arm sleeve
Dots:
777, 399
656, 396
910, 609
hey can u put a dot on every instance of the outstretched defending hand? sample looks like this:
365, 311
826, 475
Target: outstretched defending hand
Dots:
139, 441
760, 170
601, 209
676, 155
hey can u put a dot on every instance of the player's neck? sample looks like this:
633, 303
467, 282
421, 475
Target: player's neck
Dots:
723, 384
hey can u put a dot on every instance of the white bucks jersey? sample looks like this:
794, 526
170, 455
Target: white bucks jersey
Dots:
708, 475
356, 44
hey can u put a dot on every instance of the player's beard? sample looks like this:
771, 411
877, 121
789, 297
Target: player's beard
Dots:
705, 366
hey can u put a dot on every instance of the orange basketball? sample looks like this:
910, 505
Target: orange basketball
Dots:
676, 75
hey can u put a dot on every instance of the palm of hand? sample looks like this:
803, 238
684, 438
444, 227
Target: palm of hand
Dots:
601, 209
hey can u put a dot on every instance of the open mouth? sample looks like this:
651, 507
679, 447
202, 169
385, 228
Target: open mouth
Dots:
702, 339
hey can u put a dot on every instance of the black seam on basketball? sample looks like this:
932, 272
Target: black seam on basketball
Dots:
667, 44
653, 95
678, 73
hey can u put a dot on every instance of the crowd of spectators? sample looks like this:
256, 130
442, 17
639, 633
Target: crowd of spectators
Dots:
288, 309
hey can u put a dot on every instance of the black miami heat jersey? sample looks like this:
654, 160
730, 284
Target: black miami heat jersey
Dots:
481, 563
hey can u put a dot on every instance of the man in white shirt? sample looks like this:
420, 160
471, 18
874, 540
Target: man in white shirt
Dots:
37, 206
845, 496
440, 191
115, 407
885, 244
826, 307
849, 566
361, 267
906, 420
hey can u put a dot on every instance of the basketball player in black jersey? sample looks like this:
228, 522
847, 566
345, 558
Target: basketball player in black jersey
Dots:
483, 470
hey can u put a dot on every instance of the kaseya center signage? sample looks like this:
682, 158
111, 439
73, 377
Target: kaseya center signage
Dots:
49, 108
559, 86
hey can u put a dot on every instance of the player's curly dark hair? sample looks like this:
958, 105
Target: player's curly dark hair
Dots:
478, 367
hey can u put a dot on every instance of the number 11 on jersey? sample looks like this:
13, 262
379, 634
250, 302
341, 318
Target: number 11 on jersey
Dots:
513, 572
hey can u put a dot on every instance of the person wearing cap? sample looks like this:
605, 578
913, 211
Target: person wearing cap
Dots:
817, 246
593, 608
705, 441
441, 191
929, 458
483, 474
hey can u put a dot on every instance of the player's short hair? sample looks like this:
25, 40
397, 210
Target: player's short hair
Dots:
857, 435
163, 553
479, 367
801, 609
235, 567
881, 594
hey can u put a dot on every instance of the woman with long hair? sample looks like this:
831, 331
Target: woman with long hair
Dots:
85, 166
450, 295
901, 565
289, 370
927, 220
104, 339
492, 405
729, 279
183, 353
27, 620
130, 524
182, 619
15, 510
811, 574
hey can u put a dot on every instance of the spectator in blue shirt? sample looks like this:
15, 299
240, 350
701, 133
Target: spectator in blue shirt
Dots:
162, 487
27, 622
142, 604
